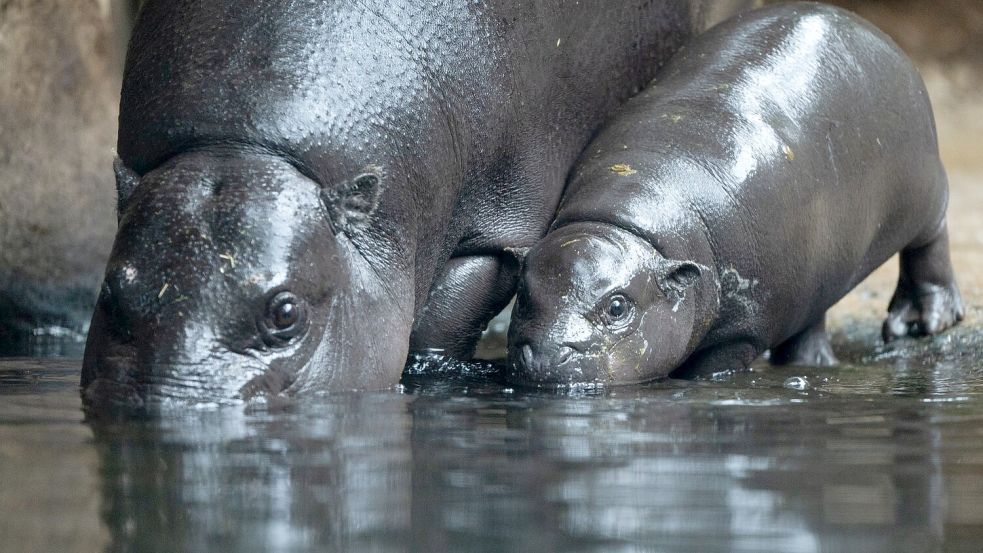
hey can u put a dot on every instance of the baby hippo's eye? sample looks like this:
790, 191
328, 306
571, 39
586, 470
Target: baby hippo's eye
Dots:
284, 319
618, 310
285, 315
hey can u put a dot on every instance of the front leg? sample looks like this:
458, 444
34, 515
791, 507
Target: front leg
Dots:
465, 296
731, 356
809, 348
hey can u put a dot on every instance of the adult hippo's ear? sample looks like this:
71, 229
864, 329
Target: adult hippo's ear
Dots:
126, 182
676, 277
351, 205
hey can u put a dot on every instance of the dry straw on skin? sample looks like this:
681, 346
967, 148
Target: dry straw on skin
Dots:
623, 169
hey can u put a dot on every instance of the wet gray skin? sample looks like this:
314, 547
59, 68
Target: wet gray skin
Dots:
720, 213
309, 190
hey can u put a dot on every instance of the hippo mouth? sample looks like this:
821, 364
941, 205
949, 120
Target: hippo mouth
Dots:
123, 387
567, 369
105, 396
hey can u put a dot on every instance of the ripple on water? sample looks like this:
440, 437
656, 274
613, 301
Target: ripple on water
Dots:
878, 456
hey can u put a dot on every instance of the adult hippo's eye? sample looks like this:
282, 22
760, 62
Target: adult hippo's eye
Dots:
284, 319
617, 311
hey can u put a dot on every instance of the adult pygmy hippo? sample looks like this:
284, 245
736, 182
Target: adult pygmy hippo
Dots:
775, 162
304, 184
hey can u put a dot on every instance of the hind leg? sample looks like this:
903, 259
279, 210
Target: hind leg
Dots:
810, 347
927, 300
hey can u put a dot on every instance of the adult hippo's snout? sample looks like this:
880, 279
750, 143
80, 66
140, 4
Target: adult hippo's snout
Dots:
222, 285
125, 380
143, 363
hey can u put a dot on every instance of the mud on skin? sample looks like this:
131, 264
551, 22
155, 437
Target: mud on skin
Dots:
299, 184
774, 163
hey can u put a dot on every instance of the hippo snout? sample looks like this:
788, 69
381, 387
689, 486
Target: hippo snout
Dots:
539, 364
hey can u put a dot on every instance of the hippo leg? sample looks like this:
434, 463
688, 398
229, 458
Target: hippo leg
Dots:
810, 347
727, 357
926, 300
470, 291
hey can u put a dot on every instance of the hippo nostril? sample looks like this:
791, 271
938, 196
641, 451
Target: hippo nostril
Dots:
564, 354
527, 356
118, 304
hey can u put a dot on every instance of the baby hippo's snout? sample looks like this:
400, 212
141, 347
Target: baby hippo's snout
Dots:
547, 364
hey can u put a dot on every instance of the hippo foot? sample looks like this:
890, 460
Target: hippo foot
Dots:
809, 348
922, 310
927, 300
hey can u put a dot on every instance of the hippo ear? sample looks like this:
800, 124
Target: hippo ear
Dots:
126, 182
351, 205
676, 277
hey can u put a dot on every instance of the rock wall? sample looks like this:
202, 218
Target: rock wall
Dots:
945, 38
60, 68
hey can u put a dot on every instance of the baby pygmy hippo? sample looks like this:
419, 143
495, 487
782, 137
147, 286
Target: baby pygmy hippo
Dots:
774, 163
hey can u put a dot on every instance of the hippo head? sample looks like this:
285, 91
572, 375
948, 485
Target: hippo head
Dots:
598, 304
233, 275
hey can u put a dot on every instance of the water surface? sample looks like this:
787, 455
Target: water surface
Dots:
885, 454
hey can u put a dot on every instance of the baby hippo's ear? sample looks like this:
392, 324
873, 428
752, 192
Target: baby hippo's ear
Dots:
126, 182
352, 204
676, 277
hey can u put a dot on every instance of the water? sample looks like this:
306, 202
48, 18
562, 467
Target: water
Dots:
882, 455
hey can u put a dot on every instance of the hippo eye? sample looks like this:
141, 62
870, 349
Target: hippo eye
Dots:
285, 315
284, 319
618, 310
617, 307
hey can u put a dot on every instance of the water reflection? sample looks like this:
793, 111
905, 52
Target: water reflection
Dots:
884, 456
470, 466
286, 482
